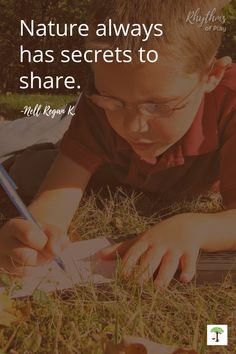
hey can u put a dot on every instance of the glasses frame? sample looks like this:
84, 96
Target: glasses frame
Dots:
141, 106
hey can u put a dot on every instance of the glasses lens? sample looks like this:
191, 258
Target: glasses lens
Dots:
106, 103
155, 110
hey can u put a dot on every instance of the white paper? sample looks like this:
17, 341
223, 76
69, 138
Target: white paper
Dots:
82, 267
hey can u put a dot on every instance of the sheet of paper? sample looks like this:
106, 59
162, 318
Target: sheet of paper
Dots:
82, 266
138, 347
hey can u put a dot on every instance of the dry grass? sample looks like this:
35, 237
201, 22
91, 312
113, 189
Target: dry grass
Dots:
76, 322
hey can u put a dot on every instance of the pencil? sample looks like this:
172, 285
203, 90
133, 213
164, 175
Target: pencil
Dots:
10, 187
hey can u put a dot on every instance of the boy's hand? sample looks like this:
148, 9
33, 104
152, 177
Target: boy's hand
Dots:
23, 244
166, 246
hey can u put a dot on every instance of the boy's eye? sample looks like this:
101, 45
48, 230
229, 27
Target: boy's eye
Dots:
107, 103
158, 110
151, 109
155, 109
162, 108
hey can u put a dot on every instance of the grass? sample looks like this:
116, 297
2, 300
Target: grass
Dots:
77, 322
11, 105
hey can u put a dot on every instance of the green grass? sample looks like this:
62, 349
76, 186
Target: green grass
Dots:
78, 322
11, 105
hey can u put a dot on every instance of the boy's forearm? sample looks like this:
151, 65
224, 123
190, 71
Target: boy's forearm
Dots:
56, 207
217, 231
60, 193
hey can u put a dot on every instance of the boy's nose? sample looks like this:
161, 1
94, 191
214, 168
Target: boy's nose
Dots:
134, 122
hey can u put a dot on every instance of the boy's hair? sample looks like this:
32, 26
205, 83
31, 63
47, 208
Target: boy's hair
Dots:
191, 47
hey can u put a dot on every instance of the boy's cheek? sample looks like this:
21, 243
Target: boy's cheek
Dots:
171, 129
166, 133
169, 132
116, 122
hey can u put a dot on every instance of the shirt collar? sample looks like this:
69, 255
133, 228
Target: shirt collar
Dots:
202, 137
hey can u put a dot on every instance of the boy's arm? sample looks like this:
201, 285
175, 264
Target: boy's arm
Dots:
219, 230
173, 242
60, 193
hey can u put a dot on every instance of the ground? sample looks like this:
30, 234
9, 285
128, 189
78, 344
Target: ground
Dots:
76, 322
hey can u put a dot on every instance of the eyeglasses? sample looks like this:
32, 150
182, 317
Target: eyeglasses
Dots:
149, 109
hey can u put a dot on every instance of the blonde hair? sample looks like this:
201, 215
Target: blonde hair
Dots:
192, 47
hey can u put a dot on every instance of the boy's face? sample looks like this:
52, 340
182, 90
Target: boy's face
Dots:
131, 84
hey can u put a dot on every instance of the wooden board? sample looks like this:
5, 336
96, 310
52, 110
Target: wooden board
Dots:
216, 267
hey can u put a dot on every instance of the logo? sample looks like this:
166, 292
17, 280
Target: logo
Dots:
217, 335
209, 21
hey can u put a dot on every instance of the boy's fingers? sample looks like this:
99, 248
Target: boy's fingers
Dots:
28, 233
111, 252
150, 261
167, 270
188, 265
54, 246
21, 254
133, 255
8, 265
57, 241
24, 256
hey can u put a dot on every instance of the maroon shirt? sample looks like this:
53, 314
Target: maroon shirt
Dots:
203, 159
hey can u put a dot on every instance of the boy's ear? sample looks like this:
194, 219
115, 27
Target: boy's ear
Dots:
217, 73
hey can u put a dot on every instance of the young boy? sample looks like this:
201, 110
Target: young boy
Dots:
167, 127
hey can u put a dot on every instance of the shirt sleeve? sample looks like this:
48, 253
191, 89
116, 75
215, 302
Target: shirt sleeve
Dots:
228, 163
85, 141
